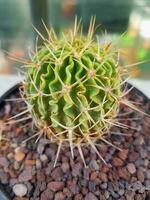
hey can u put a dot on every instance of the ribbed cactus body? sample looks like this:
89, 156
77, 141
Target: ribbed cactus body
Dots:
73, 88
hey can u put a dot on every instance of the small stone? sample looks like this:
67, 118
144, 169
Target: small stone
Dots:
10, 155
55, 186
103, 186
57, 174
3, 177
86, 173
123, 173
19, 156
131, 168
65, 167
20, 190
90, 196
148, 174
78, 197
67, 192
40, 148
117, 162
43, 158
30, 162
13, 181
84, 190
147, 184
76, 169
47, 195
74, 188
38, 164
121, 192
91, 186
123, 154
106, 194
16, 165
93, 176
26, 175
140, 175
129, 195
94, 165
103, 177
40, 175
133, 156
4, 162
59, 196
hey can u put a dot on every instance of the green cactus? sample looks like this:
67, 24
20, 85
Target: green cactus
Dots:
73, 88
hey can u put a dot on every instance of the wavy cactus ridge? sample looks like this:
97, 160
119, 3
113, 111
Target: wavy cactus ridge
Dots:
73, 87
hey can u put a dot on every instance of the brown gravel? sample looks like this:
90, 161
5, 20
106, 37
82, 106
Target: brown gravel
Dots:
125, 177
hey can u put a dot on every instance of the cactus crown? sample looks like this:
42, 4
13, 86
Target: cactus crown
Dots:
73, 88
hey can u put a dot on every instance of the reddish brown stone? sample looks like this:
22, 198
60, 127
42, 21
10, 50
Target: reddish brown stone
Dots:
30, 162
117, 162
55, 186
123, 173
78, 197
133, 156
123, 154
140, 175
57, 174
131, 168
103, 177
93, 176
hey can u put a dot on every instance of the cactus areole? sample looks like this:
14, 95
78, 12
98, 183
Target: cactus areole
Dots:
73, 87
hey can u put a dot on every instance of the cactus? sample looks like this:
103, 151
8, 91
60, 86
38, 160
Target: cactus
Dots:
73, 88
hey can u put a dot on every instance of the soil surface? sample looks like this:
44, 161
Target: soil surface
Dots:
27, 173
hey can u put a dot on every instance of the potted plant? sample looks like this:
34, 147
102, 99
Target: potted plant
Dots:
75, 131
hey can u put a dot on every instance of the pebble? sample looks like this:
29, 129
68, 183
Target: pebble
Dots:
123, 154
26, 175
140, 175
131, 168
123, 173
38, 164
19, 156
86, 173
93, 176
133, 156
47, 195
106, 194
40, 148
117, 162
90, 196
59, 196
76, 169
30, 162
78, 197
3, 177
121, 192
94, 165
147, 174
57, 174
4, 162
103, 186
91, 186
16, 165
55, 186
20, 190
65, 167
103, 177
43, 158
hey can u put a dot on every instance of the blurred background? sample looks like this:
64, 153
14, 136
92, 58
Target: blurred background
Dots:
126, 22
